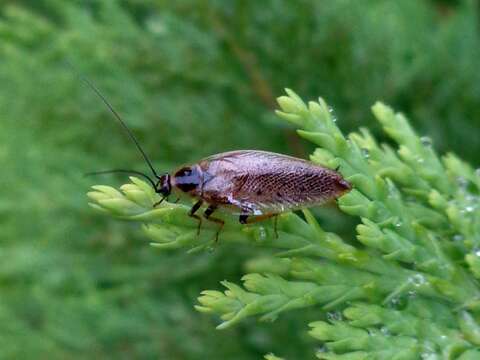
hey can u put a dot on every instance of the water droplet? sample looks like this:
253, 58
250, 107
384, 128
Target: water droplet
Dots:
384, 330
469, 208
394, 301
156, 26
429, 351
458, 237
397, 302
398, 224
462, 182
412, 294
322, 349
365, 153
392, 190
417, 280
262, 234
470, 198
420, 159
426, 141
332, 114
427, 355
334, 316
476, 252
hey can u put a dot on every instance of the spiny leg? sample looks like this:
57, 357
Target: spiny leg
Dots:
275, 222
159, 202
192, 211
248, 219
209, 211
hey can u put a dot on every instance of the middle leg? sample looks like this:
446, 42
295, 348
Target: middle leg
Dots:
209, 211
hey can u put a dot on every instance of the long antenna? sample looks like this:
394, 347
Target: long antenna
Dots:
124, 172
117, 116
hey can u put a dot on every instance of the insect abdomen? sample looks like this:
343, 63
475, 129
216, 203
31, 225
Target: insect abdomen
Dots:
289, 189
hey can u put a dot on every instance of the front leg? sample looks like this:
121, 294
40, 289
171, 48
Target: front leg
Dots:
209, 211
192, 211
159, 202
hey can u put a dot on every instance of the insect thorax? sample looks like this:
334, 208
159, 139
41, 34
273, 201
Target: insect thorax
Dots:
188, 178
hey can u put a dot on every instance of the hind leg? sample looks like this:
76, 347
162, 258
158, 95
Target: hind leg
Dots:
249, 219
209, 211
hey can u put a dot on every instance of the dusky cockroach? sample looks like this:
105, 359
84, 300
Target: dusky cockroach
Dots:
255, 185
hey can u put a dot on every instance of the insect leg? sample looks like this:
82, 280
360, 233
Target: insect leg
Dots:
159, 202
275, 222
209, 211
247, 219
165, 198
192, 211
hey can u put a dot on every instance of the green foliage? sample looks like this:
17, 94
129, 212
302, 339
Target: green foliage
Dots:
193, 78
404, 289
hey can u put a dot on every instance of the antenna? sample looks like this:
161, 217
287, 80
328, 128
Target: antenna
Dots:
117, 116
122, 171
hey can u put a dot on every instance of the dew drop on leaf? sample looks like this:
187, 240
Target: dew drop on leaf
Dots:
426, 141
384, 330
462, 182
397, 302
261, 234
417, 280
334, 316
322, 349
429, 352
427, 355
365, 153
332, 114
457, 237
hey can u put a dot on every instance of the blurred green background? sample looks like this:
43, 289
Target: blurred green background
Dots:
191, 78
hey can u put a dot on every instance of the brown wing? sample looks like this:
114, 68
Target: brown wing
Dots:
260, 182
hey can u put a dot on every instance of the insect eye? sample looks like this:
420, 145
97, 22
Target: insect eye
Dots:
163, 185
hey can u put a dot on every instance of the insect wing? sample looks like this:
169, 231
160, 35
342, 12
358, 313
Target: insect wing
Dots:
259, 182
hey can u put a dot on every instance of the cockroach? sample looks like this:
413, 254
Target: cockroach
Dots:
255, 185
